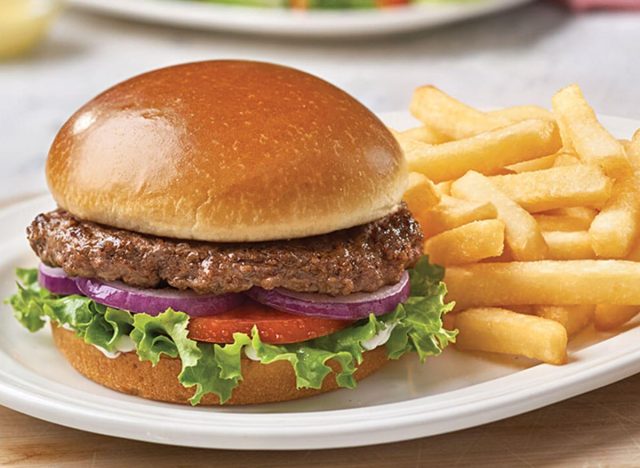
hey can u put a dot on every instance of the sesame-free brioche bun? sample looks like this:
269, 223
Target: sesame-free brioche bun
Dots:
261, 383
226, 151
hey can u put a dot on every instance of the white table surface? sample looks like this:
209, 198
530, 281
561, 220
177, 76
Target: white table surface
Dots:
520, 56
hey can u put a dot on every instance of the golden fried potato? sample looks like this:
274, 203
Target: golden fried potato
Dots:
565, 245
557, 187
449, 116
487, 153
423, 134
565, 158
608, 317
444, 188
550, 223
590, 140
545, 162
504, 331
634, 254
572, 318
522, 234
615, 229
451, 213
466, 244
633, 149
421, 194
566, 219
527, 207
572, 282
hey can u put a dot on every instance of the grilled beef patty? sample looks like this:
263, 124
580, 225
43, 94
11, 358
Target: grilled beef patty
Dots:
362, 258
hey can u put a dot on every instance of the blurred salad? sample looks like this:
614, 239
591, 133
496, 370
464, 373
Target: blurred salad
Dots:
318, 4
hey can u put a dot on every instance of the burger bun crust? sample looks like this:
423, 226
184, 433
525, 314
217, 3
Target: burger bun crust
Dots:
262, 383
226, 151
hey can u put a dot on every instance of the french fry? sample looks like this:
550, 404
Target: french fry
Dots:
580, 215
522, 234
634, 254
449, 321
617, 226
524, 208
421, 133
523, 309
634, 153
563, 130
565, 158
466, 244
457, 120
503, 331
583, 212
444, 188
560, 222
487, 153
561, 158
591, 141
572, 282
626, 144
572, 318
549, 189
574, 245
451, 213
506, 256
609, 317
420, 194
634, 149
551, 223
520, 113
449, 116
545, 162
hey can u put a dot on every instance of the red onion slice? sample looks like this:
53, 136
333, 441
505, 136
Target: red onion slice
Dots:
56, 281
350, 307
156, 301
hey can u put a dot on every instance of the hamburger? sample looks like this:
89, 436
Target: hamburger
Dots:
229, 232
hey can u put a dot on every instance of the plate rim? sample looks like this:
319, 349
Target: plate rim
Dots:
324, 429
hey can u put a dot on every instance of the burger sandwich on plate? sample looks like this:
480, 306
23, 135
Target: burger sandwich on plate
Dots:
229, 232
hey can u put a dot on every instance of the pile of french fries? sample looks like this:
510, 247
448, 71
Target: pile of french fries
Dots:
534, 213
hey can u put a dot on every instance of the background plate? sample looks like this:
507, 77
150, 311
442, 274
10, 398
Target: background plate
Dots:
281, 22
404, 400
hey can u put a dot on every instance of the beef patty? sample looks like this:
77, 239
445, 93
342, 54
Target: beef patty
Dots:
362, 258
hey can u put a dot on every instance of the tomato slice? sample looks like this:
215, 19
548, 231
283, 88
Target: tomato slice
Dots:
274, 326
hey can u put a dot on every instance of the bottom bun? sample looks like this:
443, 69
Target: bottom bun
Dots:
262, 383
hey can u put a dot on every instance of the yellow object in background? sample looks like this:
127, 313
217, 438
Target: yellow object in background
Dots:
23, 23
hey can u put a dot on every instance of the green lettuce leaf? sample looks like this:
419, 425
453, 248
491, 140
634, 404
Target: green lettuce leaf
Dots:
218, 371
414, 326
96, 324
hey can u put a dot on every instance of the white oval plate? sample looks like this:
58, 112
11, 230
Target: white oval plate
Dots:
404, 400
283, 22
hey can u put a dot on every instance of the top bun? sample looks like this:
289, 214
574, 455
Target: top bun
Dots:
226, 151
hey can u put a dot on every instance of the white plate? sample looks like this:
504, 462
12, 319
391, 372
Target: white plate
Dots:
404, 400
282, 22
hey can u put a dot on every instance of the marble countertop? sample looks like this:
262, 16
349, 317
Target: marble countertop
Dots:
520, 56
